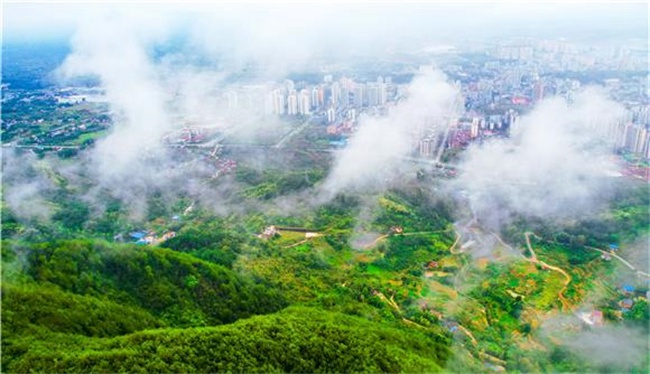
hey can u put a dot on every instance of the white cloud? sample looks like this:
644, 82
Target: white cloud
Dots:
377, 149
554, 164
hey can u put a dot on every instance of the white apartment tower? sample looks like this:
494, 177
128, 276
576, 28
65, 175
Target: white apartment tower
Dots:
276, 102
336, 91
292, 103
303, 102
331, 115
315, 95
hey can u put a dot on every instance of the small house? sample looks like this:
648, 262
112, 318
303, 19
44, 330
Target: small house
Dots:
626, 303
628, 289
268, 233
450, 325
432, 264
168, 235
597, 318
396, 230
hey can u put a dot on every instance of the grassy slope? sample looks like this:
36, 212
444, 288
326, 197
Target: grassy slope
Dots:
295, 340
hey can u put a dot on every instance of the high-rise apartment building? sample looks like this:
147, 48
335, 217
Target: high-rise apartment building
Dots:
292, 103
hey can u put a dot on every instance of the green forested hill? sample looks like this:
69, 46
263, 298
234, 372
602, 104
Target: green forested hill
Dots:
91, 306
218, 298
32, 309
300, 340
177, 288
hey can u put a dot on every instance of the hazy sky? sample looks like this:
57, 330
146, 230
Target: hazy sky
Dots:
420, 19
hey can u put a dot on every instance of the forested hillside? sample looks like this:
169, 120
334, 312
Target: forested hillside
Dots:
299, 340
178, 289
403, 290
88, 305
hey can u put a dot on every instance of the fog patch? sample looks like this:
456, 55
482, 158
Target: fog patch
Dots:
553, 165
375, 156
24, 184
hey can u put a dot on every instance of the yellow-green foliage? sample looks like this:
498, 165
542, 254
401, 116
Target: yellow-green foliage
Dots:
300, 340
178, 288
29, 308
393, 206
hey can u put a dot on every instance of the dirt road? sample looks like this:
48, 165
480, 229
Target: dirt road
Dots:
535, 260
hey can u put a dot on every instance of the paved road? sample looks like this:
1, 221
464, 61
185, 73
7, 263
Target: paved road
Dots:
639, 272
290, 135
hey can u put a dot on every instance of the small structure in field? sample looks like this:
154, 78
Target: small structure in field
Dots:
396, 230
268, 233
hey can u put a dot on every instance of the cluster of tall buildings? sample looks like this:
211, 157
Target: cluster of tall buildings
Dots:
634, 138
628, 130
492, 101
562, 55
459, 132
329, 97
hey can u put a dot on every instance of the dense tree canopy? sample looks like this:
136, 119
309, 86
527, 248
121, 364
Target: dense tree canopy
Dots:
299, 340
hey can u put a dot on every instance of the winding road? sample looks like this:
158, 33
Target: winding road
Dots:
451, 249
374, 242
382, 237
638, 272
533, 258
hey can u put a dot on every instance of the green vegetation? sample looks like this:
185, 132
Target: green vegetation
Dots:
272, 183
213, 241
34, 117
626, 219
383, 293
89, 137
32, 309
297, 340
176, 288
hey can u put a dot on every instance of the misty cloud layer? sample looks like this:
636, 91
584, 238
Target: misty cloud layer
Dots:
23, 186
553, 165
610, 345
402, 20
376, 152
624, 347
549, 166
109, 47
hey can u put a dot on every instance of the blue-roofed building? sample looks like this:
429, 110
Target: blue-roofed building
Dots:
339, 143
613, 247
137, 235
628, 288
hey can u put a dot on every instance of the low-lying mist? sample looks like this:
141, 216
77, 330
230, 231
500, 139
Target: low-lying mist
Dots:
375, 155
554, 164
